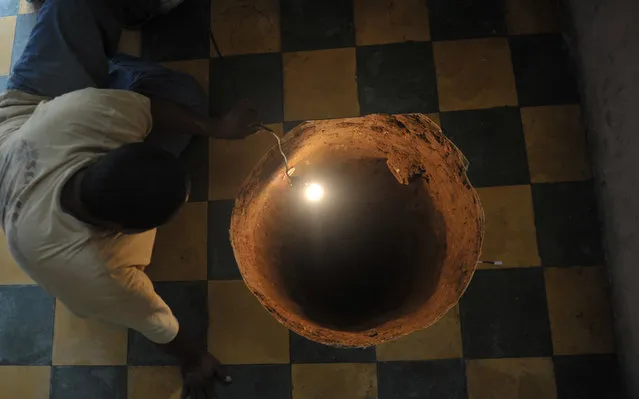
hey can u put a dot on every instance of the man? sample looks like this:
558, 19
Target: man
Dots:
83, 184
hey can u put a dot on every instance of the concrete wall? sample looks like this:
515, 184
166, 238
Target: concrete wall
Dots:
607, 47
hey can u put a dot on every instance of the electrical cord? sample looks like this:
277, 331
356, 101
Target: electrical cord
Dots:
279, 145
235, 94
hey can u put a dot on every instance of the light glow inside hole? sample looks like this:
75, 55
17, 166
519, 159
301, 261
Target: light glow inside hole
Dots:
314, 192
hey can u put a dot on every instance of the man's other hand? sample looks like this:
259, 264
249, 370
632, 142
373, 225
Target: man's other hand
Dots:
201, 376
239, 123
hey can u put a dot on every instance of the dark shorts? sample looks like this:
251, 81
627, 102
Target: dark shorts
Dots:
73, 46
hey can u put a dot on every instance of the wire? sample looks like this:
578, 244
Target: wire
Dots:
279, 146
235, 94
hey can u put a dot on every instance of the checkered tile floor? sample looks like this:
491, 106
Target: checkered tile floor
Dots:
494, 73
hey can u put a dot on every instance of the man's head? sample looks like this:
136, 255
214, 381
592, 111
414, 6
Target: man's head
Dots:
134, 188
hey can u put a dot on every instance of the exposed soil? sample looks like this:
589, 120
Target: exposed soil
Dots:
388, 250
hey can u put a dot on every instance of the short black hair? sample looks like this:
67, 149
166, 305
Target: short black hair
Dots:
137, 186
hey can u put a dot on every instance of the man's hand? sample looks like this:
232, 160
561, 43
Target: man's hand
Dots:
201, 376
239, 123
200, 370
172, 118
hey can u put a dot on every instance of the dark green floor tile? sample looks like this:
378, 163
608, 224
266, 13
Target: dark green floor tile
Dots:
257, 77
182, 34
463, 19
588, 377
188, 301
568, 231
271, 381
88, 382
289, 125
305, 351
221, 260
504, 314
543, 69
437, 379
397, 78
494, 143
312, 25
26, 326
9, 7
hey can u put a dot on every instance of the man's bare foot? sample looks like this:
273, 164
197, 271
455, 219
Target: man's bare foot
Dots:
240, 122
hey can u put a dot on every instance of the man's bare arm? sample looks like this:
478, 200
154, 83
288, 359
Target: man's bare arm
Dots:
174, 118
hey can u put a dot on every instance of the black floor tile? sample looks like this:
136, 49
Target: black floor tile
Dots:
463, 19
88, 382
24, 25
290, 125
188, 301
568, 231
544, 72
397, 78
494, 143
437, 379
257, 77
221, 260
504, 314
182, 34
196, 162
588, 377
312, 25
26, 326
9, 7
258, 381
305, 351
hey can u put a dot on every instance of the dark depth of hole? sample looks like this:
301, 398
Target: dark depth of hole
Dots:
355, 259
